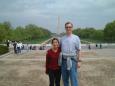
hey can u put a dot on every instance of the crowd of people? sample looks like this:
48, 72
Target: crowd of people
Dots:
18, 46
96, 46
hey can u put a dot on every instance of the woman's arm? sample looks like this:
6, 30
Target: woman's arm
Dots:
47, 55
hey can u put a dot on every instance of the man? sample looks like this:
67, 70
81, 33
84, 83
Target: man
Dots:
8, 43
15, 47
19, 47
70, 47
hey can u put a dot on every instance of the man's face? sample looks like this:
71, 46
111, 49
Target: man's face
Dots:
68, 28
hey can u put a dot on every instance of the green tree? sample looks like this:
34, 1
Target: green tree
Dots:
28, 33
109, 32
89, 33
5, 31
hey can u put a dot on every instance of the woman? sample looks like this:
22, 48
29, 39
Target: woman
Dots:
52, 68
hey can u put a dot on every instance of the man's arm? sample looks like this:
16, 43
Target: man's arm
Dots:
79, 60
79, 56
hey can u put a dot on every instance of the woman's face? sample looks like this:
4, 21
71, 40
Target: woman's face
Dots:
55, 44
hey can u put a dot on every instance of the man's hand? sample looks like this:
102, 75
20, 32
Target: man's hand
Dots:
78, 64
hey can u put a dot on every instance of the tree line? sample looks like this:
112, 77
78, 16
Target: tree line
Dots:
99, 35
28, 33
33, 32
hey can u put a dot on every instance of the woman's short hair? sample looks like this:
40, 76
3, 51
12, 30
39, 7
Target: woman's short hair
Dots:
54, 39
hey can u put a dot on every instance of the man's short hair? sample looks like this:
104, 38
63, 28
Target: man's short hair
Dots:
68, 23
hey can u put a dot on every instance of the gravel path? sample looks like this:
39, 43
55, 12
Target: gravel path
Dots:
28, 68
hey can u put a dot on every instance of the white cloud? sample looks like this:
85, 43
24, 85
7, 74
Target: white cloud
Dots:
82, 13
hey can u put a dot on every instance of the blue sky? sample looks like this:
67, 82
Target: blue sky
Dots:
83, 13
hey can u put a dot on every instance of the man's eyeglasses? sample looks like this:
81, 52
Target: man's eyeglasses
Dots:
68, 27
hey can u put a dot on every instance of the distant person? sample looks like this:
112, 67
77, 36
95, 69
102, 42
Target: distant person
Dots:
52, 68
34, 47
8, 43
30, 47
15, 47
44, 46
27, 47
89, 47
96, 45
41, 48
19, 47
100, 46
23, 47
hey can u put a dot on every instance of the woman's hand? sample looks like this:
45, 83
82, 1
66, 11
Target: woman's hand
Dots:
46, 71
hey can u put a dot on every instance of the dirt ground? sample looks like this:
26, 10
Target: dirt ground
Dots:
28, 68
